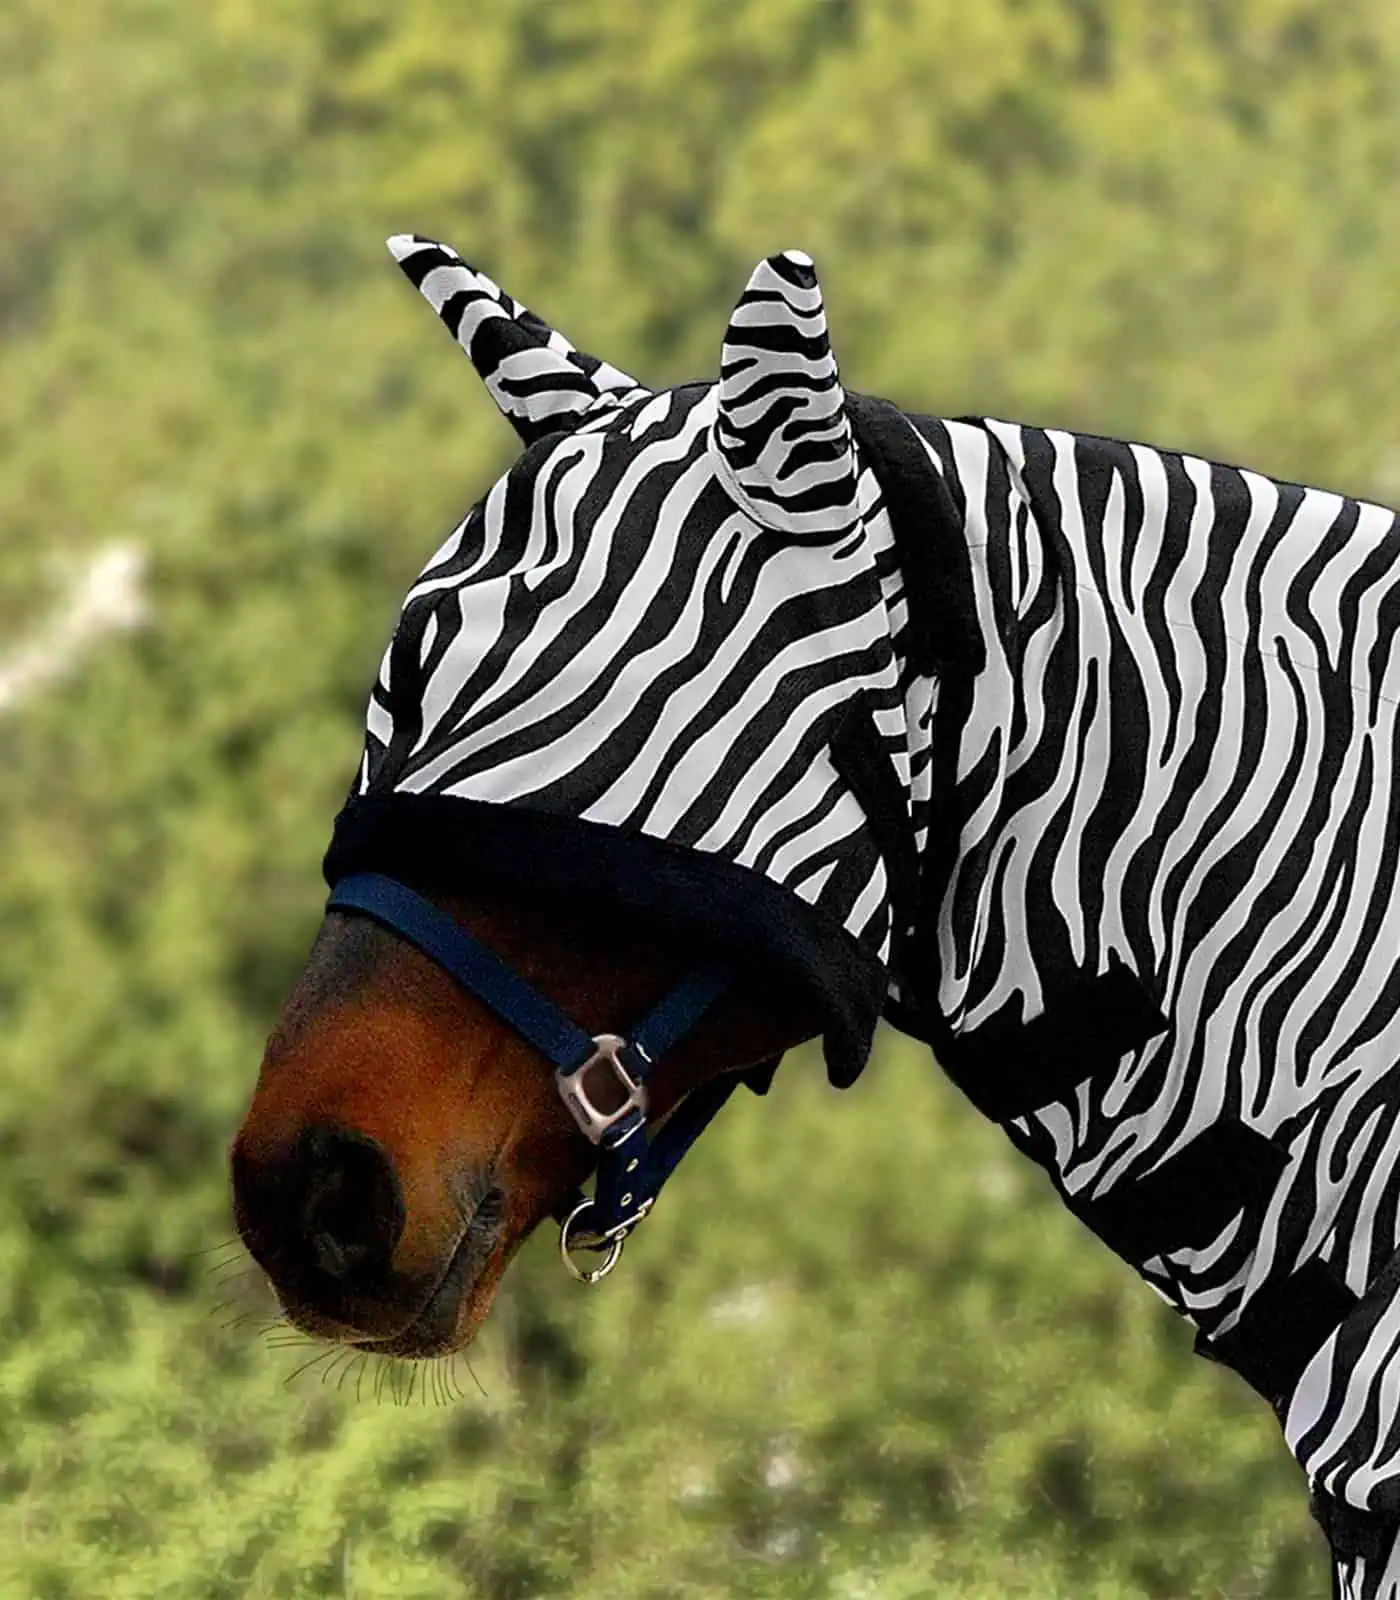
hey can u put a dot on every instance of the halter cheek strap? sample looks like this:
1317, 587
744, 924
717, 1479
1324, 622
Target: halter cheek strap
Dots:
602, 1080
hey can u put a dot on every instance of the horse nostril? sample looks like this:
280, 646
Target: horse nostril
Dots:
352, 1212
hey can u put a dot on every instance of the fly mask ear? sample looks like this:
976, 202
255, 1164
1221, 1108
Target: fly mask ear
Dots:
781, 433
537, 378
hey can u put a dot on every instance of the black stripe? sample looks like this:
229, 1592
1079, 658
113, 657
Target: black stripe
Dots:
863, 762
404, 699
947, 810
454, 308
422, 262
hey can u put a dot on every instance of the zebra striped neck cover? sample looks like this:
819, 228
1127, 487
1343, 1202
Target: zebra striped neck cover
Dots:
1078, 758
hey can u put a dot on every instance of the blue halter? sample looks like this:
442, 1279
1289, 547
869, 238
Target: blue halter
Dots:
602, 1080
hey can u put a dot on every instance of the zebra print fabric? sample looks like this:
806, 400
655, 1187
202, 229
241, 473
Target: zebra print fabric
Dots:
1174, 767
649, 622
1182, 753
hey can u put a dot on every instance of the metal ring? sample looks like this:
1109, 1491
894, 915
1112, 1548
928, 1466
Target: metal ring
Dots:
598, 1273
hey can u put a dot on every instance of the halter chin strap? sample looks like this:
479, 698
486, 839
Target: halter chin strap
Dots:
601, 1080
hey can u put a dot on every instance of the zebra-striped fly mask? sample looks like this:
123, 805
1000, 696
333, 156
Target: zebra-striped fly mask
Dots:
649, 635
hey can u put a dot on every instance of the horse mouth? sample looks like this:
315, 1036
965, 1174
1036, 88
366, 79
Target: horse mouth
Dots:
434, 1330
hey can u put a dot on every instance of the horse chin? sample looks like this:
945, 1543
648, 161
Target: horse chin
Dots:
445, 1322
451, 1318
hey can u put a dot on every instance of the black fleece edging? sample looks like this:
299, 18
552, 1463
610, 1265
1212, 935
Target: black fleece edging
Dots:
441, 842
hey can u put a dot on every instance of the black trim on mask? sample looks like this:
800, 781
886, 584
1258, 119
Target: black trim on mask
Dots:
943, 636
441, 841
943, 640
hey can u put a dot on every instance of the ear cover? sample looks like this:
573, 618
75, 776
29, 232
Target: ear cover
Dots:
781, 431
537, 378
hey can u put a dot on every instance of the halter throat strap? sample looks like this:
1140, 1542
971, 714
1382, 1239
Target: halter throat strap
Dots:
602, 1080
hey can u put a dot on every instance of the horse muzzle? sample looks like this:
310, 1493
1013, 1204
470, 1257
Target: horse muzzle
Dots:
325, 1217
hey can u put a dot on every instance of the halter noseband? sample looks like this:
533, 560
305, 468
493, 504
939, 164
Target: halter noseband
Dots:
602, 1079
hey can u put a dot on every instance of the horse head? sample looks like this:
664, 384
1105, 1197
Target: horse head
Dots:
597, 756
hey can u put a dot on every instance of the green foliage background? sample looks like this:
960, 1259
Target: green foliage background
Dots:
880, 1362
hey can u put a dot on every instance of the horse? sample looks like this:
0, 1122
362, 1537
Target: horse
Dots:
740, 714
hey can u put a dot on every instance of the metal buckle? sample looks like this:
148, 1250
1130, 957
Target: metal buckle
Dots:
594, 1123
